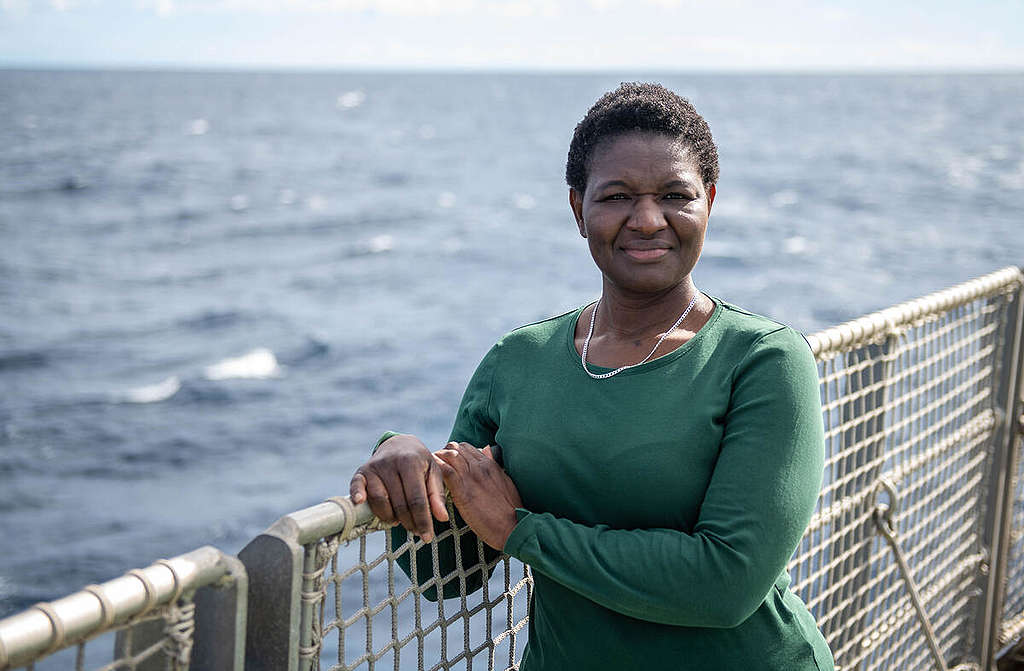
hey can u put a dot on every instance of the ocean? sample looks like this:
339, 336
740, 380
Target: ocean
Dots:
218, 289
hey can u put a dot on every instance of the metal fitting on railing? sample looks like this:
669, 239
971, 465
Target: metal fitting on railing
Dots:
884, 520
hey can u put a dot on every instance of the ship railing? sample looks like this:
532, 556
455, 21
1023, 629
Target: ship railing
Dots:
326, 589
914, 558
179, 613
904, 562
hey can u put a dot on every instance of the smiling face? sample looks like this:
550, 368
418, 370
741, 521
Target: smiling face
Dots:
644, 212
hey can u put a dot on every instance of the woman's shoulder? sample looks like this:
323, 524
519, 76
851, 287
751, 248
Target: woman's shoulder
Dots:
747, 329
541, 332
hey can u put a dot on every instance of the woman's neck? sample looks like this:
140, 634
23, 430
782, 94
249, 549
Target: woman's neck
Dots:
629, 316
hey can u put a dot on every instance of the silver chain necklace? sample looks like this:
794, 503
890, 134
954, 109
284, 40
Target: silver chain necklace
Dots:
590, 332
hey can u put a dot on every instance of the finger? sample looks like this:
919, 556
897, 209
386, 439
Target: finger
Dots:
443, 465
357, 488
454, 459
435, 492
396, 495
470, 452
452, 478
377, 497
419, 506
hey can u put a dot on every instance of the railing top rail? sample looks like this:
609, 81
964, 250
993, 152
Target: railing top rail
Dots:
336, 515
877, 324
47, 627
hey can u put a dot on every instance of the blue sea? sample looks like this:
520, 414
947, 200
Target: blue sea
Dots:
218, 289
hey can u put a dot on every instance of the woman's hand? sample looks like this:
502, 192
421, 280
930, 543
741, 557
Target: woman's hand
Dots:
402, 482
481, 490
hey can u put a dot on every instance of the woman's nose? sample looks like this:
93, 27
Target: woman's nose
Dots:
647, 217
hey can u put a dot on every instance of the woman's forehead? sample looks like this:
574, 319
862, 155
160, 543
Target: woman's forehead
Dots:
643, 154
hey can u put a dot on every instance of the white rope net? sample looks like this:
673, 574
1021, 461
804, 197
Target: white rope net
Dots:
368, 615
161, 640
909, 417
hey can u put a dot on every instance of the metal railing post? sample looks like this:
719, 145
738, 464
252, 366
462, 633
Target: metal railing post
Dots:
1005, 464
221, 611
273, 562
218, 643
280, 565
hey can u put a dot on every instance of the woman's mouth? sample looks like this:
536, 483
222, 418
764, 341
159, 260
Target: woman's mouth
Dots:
646, 254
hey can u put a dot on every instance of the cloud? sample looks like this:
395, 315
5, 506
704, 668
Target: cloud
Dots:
506, 8
21, 7
386, 7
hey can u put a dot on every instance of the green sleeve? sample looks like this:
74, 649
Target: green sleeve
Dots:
756, 507
475, 424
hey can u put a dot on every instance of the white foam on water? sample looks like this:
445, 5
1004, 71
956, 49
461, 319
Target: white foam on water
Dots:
784, 198
239, 202
258, 364
446, 199
198, 127
797, 244
525, 201
350, 99
316, 202
381, 243
154, 393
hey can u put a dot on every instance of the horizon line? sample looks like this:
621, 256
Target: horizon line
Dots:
230, 68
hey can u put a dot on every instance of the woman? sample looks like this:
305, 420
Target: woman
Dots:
662, 449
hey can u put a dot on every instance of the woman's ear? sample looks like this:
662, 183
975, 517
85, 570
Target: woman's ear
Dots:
711, 197
576, 205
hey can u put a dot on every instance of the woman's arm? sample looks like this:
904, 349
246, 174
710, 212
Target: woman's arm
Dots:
411, 476
756, 508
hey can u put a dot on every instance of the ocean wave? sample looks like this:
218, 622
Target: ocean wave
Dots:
211, 319
313, 348
24, 359
154, 393
258, 364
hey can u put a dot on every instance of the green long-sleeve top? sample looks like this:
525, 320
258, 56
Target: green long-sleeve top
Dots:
660, 506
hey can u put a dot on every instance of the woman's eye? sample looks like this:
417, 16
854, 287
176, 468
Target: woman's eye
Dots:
615, 196
675, 195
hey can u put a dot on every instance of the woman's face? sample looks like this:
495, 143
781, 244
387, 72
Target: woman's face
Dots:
644, 212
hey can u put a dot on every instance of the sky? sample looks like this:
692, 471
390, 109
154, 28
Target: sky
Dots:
745, 35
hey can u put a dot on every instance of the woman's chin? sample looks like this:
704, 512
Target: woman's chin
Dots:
646, 286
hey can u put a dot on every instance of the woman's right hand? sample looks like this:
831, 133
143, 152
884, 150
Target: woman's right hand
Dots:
402, 484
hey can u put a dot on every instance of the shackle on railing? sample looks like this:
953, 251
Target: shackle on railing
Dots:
884, 519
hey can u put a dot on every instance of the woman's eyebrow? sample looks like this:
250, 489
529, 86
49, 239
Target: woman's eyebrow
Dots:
612, 182
686, 184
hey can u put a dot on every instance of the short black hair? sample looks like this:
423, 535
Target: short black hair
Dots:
643, 107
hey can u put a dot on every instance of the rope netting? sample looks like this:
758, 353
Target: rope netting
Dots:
148, 619
892, 564
909, 422
159, 641
367, 614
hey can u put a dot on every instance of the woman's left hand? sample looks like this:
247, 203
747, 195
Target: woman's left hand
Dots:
483, 493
